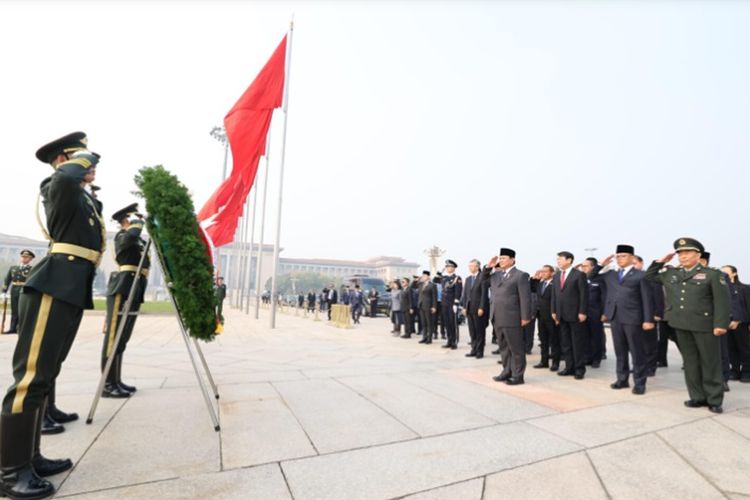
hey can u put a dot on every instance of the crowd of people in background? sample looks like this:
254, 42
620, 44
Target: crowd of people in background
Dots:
704, 311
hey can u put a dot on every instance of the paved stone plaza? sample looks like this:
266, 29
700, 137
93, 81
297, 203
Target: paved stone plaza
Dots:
309, 411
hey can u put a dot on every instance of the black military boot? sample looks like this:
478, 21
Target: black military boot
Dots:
46, 466
118, 365
55, 413
19, 480
111, 387
50, 425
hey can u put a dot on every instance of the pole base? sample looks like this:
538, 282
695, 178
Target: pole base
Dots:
217, 396
217, 428
89, 420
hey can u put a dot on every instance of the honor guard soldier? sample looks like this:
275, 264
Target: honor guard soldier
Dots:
697, 307
220, 293
15, 279
57, 291
451, 295
129, 247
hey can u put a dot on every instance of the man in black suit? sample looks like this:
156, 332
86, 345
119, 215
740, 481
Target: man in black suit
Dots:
475, 302
406, 308
570, 300
629, 310
549, 331
510, 311
594, 324
427, 305
333, 298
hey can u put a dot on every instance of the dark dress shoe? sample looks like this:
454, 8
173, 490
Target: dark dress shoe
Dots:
496, 351
639, 390
715, 409
446, 346
745, 379
114, 391
494, 341
692, 403
604, 356
578, 376
596, 364
454, 347
479, 356
554, 368
734, 376
528, 351
619, 385
46, 467
662, 364
501, 378
651, 373
470, 355
125, 387
24, 483
429, 342
406, 336
422, 342
60, 416
499, 361
514, 381
49, 426
565, 373
10, 332
725, 386
541, 365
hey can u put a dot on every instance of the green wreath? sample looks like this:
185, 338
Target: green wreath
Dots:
175, 233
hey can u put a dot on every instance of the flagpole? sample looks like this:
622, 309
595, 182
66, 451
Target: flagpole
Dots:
258, 268
252, 247
243, 257
276, 248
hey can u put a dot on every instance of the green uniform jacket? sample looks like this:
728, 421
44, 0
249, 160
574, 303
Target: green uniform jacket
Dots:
72, 217
696, 300
16, 274
128, 249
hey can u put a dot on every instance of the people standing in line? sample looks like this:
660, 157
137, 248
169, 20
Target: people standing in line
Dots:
549, 331
311, 301
451, 285
595, 347
651, 341
510, 305
437, 323
739, 326
475, 301
333, 298
570, 296
629, 310
427, 305
725, 369
414, 297
397, 315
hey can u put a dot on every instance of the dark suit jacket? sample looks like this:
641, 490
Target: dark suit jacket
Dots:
543, 299
572, 299
510, 300
406, 301
629, 302
427, 296
475, 294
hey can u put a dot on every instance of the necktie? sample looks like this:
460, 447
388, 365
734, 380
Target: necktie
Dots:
544, 287
502, 275
562, 279
620, 275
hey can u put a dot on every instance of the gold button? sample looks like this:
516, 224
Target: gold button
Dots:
682, 307
70, 257
684, 284
91, 221
682, 298
683, 291
705, 314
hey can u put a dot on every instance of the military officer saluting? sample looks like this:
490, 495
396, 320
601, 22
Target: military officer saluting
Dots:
57, 291
129, 247
452, 288
15, 279
697, 307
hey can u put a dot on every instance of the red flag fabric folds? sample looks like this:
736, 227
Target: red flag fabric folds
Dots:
247, 126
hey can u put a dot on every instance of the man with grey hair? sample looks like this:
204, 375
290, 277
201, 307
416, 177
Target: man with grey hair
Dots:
475, 301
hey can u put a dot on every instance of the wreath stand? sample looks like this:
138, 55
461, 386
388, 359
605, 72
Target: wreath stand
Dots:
212, 412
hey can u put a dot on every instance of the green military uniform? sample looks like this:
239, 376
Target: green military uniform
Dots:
697, 301
57, 291
15, 279
129, 247
220, 293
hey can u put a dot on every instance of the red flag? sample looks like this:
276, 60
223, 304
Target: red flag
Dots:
247, 126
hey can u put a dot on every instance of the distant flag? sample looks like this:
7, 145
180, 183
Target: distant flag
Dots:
247, 126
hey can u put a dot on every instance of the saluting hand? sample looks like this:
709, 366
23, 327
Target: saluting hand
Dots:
493, 261
648, 326
720, 331
607, 260
667, 258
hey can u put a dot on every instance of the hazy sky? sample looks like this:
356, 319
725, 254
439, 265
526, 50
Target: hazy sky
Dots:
536, 125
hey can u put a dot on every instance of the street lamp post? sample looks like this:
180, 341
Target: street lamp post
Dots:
220, 134
591, 250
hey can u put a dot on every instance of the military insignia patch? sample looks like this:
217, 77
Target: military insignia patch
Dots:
722, 280
700, 276
682, 242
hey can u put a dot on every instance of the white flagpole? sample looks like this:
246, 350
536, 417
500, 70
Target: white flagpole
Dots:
258, 269
252, 247
276, 247
243, 255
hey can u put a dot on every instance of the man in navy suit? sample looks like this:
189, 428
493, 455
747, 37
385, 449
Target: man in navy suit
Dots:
549, 334
628, 308
570, 300
476, 304
596, 346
